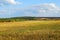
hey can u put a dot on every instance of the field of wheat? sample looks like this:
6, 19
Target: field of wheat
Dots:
30, 30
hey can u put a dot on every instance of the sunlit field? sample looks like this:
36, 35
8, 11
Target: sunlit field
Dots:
30, 30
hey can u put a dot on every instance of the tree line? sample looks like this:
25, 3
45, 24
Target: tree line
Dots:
26, 18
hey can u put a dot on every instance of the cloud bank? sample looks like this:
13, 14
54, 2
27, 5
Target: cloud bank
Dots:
42, 10
7, 2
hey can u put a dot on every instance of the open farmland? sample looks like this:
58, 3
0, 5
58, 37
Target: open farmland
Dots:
30, 30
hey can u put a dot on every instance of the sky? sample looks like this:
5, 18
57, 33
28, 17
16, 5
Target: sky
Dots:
35, 8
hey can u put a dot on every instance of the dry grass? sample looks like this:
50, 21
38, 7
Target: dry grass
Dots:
30, 30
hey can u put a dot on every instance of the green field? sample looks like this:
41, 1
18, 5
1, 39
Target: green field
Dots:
30, 30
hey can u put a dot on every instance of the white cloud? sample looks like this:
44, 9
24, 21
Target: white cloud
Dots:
6, 2
13, 2
42, 10
3, 11
46, 9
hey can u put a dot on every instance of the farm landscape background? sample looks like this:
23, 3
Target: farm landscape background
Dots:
29, 19
30, 28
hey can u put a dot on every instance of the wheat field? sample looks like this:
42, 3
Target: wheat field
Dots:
30, 30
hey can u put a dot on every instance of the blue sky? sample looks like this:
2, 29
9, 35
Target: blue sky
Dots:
40, 8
